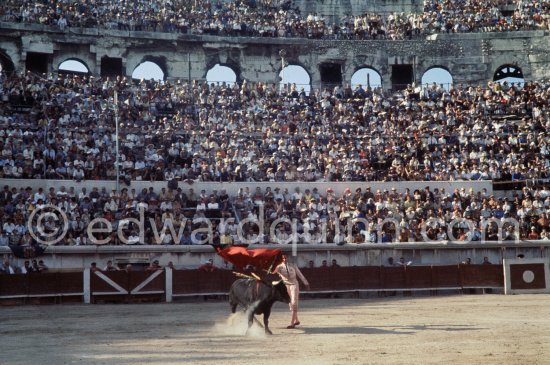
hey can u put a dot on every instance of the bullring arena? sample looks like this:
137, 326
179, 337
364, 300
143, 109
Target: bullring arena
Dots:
489, 329
397, 152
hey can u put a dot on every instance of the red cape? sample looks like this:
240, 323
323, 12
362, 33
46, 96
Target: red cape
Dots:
261, 258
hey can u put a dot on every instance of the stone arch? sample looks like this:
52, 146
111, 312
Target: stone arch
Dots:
220, 73
158, 61
510, 73
360, 77
149, 70
225, 58
438, 74
295, 73
73, 65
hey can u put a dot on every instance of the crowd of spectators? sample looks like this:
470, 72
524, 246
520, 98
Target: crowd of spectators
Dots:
172, 216
29, 267
63, 127
277, 18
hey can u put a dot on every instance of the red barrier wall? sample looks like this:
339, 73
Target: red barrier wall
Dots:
190, 282
43, 284
481, 276
198, 281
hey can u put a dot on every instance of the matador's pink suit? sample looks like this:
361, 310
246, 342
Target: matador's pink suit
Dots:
290, 273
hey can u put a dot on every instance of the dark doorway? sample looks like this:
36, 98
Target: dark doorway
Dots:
111, 67
401, 76
331, 74
37, 62
6, 65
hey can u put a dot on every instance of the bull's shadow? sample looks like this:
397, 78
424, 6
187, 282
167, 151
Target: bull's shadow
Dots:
396, 330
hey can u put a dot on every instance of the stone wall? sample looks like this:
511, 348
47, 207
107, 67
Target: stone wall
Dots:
470, 58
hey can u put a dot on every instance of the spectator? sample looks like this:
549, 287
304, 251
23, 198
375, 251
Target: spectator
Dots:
269, 19
27, 268
42, 266
208, 266
154, 266
110, 266
533, 235
7, 268
35, 267
93, 267
402, 262
4, 239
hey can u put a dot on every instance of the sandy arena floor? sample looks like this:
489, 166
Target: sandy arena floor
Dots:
472, 329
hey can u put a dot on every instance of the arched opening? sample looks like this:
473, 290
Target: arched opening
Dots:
366, 77
73, 66
220, 74
294, 74
148, 71
439, 75
510, 74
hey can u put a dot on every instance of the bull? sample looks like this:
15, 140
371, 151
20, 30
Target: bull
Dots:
257, 297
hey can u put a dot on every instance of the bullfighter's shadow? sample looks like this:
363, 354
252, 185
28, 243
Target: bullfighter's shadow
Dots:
397, 330
353, 330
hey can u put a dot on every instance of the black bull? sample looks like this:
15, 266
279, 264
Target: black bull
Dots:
257, 297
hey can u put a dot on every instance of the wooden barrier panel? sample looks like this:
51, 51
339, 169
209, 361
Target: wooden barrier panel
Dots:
446, 276
13, 285
69, 282
319, 278
199, 281
49, 284
343, 278
43, 284
218, 281
146, 282
473, 276
517, 278
116, 285
527, 276
418, 277
393, 278
109, 282
368, 277
185, 282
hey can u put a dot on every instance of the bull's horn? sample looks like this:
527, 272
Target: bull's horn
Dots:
274, 283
